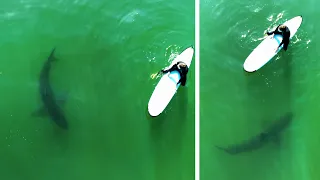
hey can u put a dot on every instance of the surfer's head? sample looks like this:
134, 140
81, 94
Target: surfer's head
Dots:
183, 67
282, 28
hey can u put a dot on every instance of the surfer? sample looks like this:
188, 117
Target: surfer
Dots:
285, 32
182, 68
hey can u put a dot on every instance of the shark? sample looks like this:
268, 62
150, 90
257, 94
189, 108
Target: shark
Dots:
271, 133
49, 100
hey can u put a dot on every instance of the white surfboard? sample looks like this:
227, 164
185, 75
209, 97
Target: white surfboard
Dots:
167, 86
266, 50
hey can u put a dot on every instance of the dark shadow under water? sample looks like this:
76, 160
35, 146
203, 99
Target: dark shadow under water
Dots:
167, 134
169, 118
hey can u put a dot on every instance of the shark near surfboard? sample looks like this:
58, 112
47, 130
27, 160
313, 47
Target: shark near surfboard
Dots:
265, 51
167, 86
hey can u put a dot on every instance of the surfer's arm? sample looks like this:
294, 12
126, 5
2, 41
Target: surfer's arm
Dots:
165, 70
273, 32
270, 33
169, 69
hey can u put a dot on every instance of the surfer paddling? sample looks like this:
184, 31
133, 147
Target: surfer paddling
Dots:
284, 31
182, 68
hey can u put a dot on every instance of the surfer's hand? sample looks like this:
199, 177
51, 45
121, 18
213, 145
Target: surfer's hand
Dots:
163, 71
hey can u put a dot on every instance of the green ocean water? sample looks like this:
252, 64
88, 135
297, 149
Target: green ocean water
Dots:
236, 106
107, 52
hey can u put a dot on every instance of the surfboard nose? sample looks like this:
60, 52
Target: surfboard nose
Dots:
189, 50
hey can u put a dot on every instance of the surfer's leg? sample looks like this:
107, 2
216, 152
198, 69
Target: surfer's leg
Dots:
285, 46
183, 81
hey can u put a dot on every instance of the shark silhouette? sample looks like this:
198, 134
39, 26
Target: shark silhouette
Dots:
269, 134
49, 100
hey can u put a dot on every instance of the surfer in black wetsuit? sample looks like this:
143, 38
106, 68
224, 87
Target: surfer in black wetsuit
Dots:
285, 32
182, 68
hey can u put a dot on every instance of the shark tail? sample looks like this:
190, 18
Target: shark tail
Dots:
221, 148
52, 57
225, 150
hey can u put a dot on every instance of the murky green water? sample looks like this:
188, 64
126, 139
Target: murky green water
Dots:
236, 106
107, 52
107, 55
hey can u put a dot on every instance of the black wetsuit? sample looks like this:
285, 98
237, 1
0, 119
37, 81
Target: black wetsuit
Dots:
285, 37
182, 72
